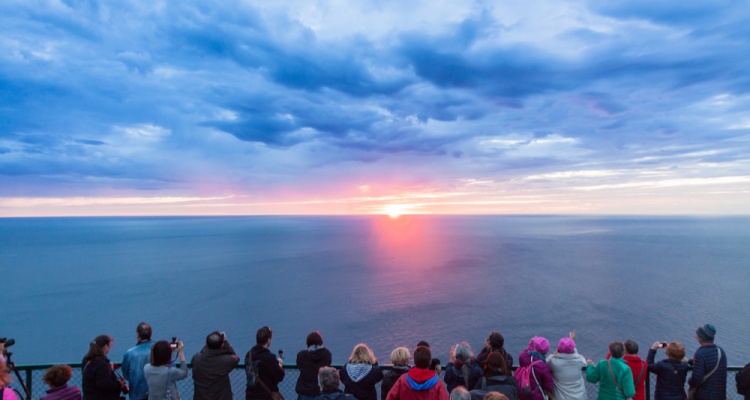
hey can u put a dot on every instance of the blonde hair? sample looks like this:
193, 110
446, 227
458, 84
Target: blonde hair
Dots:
362, 355
495, 396
400, 356
676, 351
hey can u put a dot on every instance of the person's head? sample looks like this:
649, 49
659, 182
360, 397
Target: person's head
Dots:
4, 373
460, 393
675, 351
495, 396
540, 345
99, 347
328, 379
496, 340
463, 352
422, 357
161, 353
265, 335
215, 340
143, 330
362, 355
495, 364
566, 345
57, 375
616, 349
400, 357
313, 339
706, 333
423, 344
631, 347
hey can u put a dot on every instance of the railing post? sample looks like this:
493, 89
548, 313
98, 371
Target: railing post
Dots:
648, 386
28, 383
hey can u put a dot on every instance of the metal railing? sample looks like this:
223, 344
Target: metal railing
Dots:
32, 375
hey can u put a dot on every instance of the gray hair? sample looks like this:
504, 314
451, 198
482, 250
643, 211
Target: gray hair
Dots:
463, 352
460, 393
328, 379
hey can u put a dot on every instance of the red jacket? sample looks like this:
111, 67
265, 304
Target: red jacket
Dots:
639, 368
418, 384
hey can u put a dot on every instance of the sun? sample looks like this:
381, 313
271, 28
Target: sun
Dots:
396, 210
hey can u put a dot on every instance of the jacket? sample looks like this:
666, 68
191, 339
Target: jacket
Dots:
742, 379
336, 395
99, 381
706, 358
211, 368
268, 369
390, 378
63, 392
360, 379
506, 385
670, 377
454, 376
309, 362
418, 384
132, 369
157, 379
541, 373
608, 389
567, 375
639, 368
482, 357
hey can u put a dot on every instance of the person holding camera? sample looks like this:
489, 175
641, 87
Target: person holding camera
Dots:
263, 369
135, 359
6, 393
211, 368
99, 380
159, 373
671, 372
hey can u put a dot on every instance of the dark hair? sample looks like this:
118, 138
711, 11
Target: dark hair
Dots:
264, 334
422, 357
57, 375
496, 340
313, 339
96, 348
423, 344
214, 340
616, 349
495, 362
631, 347
161, 353
144, 331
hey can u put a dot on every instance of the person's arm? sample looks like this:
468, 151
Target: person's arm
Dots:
105, 380
699, 370
181, 372
230, 358
547, 383
592, 372
275, 369
377, 373
653, 367
125, 366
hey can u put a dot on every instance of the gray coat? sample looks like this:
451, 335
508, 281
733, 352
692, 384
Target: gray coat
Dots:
567, 373
156, 377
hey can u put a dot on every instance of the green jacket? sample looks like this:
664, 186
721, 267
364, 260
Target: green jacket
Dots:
608, 390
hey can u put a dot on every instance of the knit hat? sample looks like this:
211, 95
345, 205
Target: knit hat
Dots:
566, 345
496, 340
706, 333
540, 345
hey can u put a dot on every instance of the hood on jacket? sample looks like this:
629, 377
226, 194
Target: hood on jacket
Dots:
258, 351
358, 371
316, 353
421, 379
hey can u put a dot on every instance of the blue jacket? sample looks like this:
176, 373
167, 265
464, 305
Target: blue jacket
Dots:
704, 361
132, 369
454, 377
670, 377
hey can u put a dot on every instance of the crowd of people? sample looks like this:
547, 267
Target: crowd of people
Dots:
150, 369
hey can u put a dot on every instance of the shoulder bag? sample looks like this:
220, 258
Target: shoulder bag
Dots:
609, 364
691, 392
274, 395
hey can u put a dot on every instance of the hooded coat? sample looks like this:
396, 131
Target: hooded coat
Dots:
309, 361
268, 370
418, 384
390, 378
670, 377
359, 380
567, 375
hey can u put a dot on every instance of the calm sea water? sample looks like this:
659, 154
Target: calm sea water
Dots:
385, 282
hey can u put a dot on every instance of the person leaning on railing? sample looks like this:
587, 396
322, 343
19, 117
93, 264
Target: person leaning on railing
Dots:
462, 369
361, 373
709, 378
400, 360
565, 364
614, 377
6, 393
309, 362
57, 377
159, 373
671, 372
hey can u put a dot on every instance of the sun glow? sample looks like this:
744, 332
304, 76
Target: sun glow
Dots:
396, 210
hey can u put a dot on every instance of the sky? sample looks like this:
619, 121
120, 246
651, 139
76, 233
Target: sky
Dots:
374, 107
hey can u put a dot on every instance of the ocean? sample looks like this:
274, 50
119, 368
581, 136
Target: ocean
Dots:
373, 279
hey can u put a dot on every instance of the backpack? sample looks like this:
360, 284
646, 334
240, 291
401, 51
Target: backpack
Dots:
509, 389
523, 376
743, 381
250, 367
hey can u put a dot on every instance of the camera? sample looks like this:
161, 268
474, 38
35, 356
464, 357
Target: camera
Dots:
173, 345
281, 354
663, 344
7, 342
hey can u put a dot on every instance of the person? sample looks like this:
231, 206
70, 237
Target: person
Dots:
495, 344
742, 379
565, 364
57, 377
670, 372
460, 393
135, 359
420, 382
435, 363
638, 367
329, 382
309, 362
613, 375
263, 370
6, 393
211, 368
99, 381
462, 368
495, 396
534, 357
400, 360
709, 378
361, 373
497, 378
159, 374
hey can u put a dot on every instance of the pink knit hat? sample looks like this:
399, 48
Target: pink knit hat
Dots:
566, 345
540, 345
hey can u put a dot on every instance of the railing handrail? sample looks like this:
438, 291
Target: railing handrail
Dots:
286, 366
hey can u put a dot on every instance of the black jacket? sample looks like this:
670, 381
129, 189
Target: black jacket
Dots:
211, 368
482, 357
268, 370
670, 377
99, 381
389, 379
308, 363
361, 386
